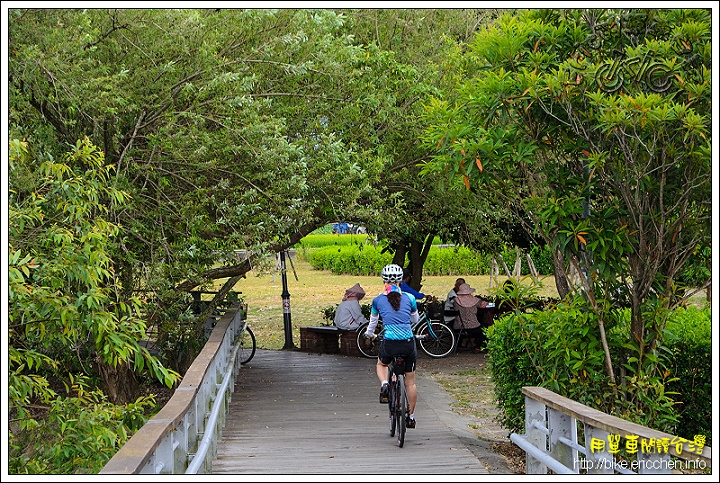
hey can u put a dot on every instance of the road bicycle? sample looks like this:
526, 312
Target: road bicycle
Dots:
248, 345
434, 337
398, 404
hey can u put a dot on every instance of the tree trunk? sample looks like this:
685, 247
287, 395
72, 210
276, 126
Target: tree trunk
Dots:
561, 278
418, 254
400, 251
415, 265
120, 384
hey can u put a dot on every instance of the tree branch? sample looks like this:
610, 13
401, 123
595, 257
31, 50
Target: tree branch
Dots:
245, 266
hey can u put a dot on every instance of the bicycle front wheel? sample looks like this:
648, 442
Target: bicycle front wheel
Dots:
437, 339
247, 346
402, 410
368, 347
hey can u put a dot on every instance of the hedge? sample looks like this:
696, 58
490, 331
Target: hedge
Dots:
557, 349
357, 258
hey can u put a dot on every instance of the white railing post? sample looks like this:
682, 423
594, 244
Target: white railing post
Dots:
597, 461
164, 456
652, 463
192, 428
535, 412
562, 426
180, 446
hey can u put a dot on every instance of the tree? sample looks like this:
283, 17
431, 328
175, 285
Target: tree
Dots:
413, 209
61, 303
216, 124
596, 123
232, 129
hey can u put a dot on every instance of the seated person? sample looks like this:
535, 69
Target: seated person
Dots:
467, 306
348, 315
450, 313
405, 287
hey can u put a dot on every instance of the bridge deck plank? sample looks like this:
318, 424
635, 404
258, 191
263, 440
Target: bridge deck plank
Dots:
300, 413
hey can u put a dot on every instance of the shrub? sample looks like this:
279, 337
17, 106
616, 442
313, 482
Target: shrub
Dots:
352, 259
332, 239
559, 348
456, 261
511, 369
359, 255
369, 260
688, 333
79, 435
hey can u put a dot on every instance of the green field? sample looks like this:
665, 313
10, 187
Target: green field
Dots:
315, 290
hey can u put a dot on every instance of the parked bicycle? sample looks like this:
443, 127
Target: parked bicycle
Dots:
434, 337
248, 344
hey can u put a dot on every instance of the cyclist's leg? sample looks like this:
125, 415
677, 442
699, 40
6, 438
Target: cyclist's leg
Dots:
381, 368
411, 390
410, 387
383, 360
382, 371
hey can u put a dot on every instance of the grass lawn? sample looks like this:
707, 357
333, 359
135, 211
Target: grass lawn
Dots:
314, 290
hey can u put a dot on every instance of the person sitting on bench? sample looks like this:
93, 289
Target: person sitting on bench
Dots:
348, 315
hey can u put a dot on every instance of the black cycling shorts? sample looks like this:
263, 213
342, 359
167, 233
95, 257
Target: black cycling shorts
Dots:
406, 347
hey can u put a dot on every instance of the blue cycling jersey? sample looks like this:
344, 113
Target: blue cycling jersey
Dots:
408, 289
396, 322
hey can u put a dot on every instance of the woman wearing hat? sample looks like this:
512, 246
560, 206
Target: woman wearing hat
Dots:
348, 315
467, 306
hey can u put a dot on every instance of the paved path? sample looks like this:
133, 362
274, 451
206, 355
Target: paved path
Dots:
299, 413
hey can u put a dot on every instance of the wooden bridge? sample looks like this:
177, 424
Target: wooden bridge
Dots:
292, 412
300, 413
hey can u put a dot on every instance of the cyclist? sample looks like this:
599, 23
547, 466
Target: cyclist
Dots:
405, 285
399, 311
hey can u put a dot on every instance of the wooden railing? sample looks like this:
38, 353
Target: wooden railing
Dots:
551, 441
182, 437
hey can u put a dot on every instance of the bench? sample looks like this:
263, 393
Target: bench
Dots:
328, 339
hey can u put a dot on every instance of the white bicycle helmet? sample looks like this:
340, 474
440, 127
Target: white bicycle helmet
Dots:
392, 273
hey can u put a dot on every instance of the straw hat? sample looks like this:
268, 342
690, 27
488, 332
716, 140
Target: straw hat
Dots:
465, 296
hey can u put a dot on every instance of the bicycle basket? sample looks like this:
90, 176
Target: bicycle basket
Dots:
435, 310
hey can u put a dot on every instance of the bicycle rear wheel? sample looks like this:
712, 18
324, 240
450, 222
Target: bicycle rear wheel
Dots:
402, 410
368, 347
247, 346
392, 405
437, 339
